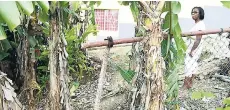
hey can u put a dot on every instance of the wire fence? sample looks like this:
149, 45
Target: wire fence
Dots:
214, 57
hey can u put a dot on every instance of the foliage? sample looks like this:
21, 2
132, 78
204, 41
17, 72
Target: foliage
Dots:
75, 37
226, 4
196, 95
226, 102
77, 59
126, 74
75, 29
74, 87
43, 81
12, 19
173, 53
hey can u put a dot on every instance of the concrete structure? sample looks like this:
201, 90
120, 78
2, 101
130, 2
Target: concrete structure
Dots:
126, 24
216, 16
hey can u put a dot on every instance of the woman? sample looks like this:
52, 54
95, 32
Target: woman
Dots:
194, 47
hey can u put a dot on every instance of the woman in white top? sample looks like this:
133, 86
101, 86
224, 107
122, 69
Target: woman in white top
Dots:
194, 47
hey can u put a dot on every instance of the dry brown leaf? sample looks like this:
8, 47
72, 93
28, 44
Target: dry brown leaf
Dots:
7, 93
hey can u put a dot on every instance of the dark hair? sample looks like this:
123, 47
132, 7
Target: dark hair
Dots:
201, 12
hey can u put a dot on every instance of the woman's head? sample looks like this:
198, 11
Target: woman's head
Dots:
197, 13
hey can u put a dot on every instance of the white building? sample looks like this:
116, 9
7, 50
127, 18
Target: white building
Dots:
113, 20
216, 16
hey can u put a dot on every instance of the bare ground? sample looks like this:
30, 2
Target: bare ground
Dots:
219, 88
116, 90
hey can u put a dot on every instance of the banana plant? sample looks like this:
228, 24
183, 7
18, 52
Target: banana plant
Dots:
226, 4
12, 18
173, 53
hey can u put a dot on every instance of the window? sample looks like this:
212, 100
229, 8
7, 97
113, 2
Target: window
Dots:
106, 19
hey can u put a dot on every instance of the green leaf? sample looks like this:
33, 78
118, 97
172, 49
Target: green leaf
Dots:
167, 21
166, 6
92, 3
27, 6
173, 75
1, 20
14, 44
208, 94
227, 101
126, 74
98, 3
163, 48
64, 3
226, 4
74, 87
43, 17
2, 33
43, 68
91, 29
134, 10
93, 15
126, 3
227, 108
44, 5
10, 16
174, 87
176, 7
178, 39
3, 55
219, 108
174, 52
196, 95
32, 41
75, 5
141, 31
168, 45
85, 2
71, 32
180, 56
5, 45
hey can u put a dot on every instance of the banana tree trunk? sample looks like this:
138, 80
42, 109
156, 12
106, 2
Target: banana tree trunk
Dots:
59, 96
149, 80
27, 70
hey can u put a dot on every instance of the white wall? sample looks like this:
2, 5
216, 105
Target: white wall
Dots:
187, 5
124, 16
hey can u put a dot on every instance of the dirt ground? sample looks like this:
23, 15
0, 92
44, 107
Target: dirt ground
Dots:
219, 88
116, 90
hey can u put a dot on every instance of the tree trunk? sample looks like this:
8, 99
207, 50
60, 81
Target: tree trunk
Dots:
27, 71
149, 79
59, 97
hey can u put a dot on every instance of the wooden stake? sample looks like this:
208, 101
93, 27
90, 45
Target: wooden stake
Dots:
101, 79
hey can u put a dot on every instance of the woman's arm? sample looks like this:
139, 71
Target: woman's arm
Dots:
195, 45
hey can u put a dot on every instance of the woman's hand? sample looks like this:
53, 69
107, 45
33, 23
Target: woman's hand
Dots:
191, 53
